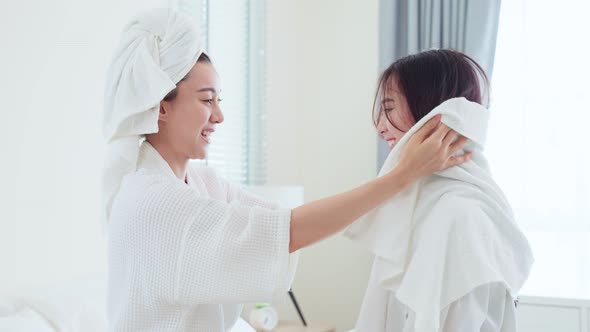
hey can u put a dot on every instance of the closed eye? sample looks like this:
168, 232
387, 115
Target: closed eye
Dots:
210, 101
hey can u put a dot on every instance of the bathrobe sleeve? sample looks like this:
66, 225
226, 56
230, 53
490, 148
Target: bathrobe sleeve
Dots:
236, 193
219, 252
231, 192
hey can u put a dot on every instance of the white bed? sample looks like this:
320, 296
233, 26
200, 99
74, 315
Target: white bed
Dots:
74, 306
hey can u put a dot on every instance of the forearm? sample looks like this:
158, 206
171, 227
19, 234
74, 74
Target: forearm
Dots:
316, 220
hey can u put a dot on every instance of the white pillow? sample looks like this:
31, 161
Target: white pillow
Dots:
24, 320
6, 307
76, 306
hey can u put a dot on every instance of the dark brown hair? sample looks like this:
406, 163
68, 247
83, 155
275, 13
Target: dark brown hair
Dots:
172, 94
429, 78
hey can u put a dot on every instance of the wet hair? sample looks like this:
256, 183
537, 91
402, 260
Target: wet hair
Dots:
428, 78
172, 94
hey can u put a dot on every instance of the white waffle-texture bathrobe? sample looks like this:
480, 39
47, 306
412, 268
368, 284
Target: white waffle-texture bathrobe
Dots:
183, 255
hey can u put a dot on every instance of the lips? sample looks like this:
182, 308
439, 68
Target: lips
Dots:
391, 141
206, 134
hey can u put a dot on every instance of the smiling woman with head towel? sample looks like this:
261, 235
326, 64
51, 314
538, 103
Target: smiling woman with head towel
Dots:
186, 248
448, 254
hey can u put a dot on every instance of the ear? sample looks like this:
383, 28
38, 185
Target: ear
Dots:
164, 111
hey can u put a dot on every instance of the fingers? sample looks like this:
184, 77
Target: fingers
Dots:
454, 161
450, 138
428, 128
458, 144
441, 132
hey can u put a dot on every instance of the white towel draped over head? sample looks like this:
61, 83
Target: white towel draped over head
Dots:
157, 49
444, 236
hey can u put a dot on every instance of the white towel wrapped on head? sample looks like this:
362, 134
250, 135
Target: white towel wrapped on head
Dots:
156, 51
444, 236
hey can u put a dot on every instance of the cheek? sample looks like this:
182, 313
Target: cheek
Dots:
188, 123
196, 116
399, 134
202, 115
391, 129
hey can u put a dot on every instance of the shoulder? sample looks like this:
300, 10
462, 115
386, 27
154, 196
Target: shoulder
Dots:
207, 175
204, 171
148, 193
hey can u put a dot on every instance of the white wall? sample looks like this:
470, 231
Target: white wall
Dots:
323, 71
53, 60
283, 113
323, 60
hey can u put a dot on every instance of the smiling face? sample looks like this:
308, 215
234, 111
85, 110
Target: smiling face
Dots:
395, 117
412, 86
188, 118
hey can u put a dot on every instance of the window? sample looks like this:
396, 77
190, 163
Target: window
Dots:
234, 34
539, 144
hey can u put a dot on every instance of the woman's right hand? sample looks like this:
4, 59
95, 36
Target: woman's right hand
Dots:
432, 149
429, 150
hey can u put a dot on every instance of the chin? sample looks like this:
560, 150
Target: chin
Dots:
198, 152
195, 149
197, 155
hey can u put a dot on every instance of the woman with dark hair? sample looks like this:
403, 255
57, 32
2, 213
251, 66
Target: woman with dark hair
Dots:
413, 86
186, 247
454, 258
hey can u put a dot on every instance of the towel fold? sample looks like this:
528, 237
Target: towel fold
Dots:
447, 234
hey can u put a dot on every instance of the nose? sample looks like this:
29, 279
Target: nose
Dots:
216, 115
381, 127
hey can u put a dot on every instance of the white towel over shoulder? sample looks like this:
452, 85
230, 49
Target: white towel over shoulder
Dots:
447, 234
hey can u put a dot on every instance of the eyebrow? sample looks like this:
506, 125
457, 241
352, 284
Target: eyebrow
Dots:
387, 100
207, 89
